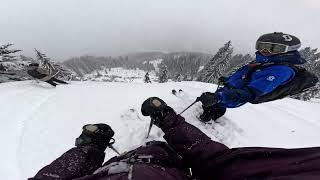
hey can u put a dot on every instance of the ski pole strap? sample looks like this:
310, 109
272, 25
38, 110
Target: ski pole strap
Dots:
112, 141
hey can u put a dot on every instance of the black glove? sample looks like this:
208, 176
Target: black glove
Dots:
99, 135
208, 99
157, 109
222, 80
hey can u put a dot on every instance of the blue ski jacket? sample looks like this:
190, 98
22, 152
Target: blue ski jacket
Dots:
240, 90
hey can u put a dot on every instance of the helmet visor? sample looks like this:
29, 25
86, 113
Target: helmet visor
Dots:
271, 47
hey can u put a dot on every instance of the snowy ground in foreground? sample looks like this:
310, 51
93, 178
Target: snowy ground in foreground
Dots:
39, 122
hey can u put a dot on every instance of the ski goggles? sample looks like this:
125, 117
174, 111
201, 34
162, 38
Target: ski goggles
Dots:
273, 48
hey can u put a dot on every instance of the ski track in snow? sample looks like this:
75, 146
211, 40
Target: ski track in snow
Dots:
23, 90
35, 108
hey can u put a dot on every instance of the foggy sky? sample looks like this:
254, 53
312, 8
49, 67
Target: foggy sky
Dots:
66, 28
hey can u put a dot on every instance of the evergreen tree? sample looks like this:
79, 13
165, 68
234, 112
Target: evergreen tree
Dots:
178, 77
163, 73
216, 67
55, 69
7, 55
26, 59
236, 62
312, 56
184, 65
10, 65
195, 68
45, 61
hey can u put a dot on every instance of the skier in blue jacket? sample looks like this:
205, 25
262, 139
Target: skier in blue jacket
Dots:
273, 75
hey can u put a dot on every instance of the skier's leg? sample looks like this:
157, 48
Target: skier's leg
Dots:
58, 81
212, 113
50, 81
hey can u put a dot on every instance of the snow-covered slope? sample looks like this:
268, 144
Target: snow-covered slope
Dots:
39, 122
119, 75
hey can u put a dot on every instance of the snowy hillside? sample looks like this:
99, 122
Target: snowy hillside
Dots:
40, 122
119, 75
155, 63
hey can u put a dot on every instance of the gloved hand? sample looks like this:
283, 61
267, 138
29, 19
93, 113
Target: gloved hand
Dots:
208, 99
157, 109
222, 80
96, 134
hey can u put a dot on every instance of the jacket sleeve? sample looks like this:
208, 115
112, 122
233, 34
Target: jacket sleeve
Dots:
232, 97
75, 163
197, 150
262, 82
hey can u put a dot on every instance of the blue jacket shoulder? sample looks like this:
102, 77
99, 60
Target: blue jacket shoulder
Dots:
261, 82
266, 80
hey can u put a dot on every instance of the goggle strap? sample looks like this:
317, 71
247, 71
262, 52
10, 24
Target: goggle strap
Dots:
294, 47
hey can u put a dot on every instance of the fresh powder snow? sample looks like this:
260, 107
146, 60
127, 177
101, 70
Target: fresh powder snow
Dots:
40, 122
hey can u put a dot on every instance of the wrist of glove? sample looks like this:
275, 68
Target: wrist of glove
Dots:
208, 99
99, 135
222, 80
157, 109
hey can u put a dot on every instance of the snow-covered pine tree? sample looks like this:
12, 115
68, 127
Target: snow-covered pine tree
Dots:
236, 62
63, 72
178, 77
10, 65
184, 65
7, 55
26, 59
56, 69
163, 73
44, 61
215, 68
312, 56
195, 68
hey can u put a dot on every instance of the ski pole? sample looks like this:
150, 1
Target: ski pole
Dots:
189, 106
114, 149
150, 126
